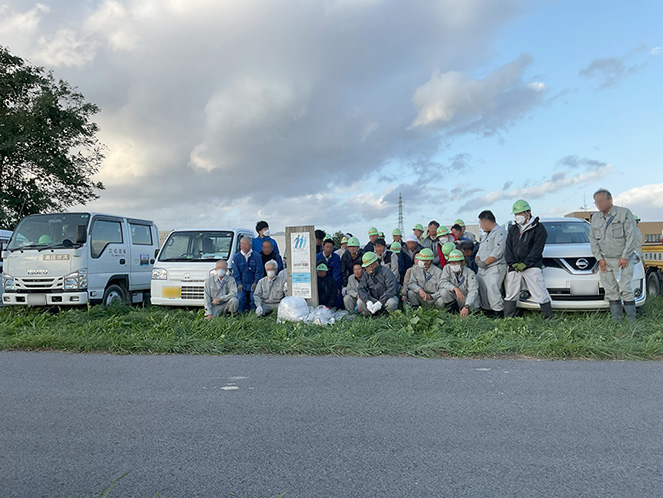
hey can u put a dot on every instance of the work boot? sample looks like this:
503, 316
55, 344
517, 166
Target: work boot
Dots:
629, 306
546, 310
510, 309
616, 311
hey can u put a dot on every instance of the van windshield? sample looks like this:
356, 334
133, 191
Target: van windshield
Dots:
567, 232
47, 231
197, 246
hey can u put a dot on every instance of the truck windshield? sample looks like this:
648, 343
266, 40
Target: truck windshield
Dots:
197, 246
567, 232
43, 231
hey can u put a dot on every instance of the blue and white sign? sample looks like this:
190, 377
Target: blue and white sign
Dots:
301, 264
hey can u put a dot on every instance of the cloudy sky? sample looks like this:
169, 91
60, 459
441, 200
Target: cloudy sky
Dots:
223, 112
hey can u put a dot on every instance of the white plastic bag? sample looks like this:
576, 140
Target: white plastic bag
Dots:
292, 309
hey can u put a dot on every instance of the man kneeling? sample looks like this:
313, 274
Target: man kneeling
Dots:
220, 292
350, 292
270, 290
424, 286
460, 289
378, 287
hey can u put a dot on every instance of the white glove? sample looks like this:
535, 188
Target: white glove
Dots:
259, 311
344, 291
377, 307
369, 306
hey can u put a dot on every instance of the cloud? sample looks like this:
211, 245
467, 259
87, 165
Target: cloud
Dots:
455, 102
656, 51
592, 171
646, 201
610, 71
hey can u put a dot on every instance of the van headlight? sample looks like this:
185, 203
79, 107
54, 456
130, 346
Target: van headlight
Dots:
76, 281
159, 274
7, 282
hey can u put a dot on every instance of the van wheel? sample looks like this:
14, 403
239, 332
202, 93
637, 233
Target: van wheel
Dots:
653, 285
115, 294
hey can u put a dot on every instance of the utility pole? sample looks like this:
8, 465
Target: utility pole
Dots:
400, 213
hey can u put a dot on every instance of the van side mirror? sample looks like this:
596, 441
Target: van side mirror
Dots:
81, 234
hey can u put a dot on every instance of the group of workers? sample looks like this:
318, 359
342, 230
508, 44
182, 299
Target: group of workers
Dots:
434, 267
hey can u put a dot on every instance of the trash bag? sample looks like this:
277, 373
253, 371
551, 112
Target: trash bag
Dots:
292, 309
320, 316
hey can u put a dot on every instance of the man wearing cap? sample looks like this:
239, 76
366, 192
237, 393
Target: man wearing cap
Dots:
220, 292
387, 258
418, 231
424, 286
464, 232
247, 270
524, 258
270, 290
397, 235
378, 288
263, 234
412, 247
344, 246
333, 263
460, 287
352, 255
327, 289
373, 235
491, 265
430, 239
350, 293
396, 249
613, 241
443, 238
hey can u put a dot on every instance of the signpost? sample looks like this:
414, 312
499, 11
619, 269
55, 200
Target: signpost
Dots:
300, 254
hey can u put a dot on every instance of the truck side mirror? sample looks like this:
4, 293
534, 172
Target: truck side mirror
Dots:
81, 234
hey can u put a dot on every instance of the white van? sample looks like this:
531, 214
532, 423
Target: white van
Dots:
185, 260
76, 258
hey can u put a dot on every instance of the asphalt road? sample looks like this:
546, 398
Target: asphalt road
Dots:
258, 426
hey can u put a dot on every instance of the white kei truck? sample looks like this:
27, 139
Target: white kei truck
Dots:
185, 261
66, 259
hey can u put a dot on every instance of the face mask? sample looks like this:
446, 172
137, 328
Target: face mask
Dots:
220, 273
456, 268
521, 219
271, 273
421, 264
266, 233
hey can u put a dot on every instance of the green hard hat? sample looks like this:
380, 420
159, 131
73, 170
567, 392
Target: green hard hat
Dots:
322, 267
381, 235
344, 240
353, 242
447, 248
456, 255
328, 237
442, 231
368, 258
396, 247
373, 231
418, 226
45, 239
397, 231
459, 222
425, 255
520, 206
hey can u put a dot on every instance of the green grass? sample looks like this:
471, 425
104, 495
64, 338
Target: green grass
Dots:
418, 333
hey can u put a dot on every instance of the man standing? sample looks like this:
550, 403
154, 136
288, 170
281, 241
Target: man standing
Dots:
344, 246
397, 235
378, 288
270, 290
412, 247
247, 270
613, 241
220, 292
524, 256
373, 235
418, 231
430, 239
491, 264
267, 254
263, 234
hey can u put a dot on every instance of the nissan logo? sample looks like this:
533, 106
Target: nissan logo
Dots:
582, 263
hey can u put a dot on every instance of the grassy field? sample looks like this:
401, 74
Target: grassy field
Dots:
126, 330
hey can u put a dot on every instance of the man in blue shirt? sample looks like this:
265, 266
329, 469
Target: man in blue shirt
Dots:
263, 234
247, 271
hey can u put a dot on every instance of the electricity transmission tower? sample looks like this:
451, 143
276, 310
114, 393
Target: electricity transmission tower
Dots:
400, 212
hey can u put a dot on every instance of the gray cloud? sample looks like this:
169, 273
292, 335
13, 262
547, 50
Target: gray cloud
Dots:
610, 71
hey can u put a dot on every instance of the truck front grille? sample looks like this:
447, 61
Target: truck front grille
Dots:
193, 292
38, 284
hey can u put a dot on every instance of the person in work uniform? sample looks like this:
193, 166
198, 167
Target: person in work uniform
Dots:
460, 289
327, 290
465, 233
430, 239
396, 249
638, 238
397, 235
267, 253
613, 241
412, 247
344, 247
353, 255
469, 250
525, 242
373, 235
247, 270
406, 281
220, 292
491, 265
378, 288
424, 286
387, 258
350, 293
270, 290
263, 234
418, 231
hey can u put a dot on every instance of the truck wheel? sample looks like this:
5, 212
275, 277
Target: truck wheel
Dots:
115, 294
653, 285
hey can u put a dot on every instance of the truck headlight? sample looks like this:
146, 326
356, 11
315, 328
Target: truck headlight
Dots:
76, 280
159, 274
7, 282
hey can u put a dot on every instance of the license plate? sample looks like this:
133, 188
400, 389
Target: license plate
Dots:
36, 300
171, 292
584, 288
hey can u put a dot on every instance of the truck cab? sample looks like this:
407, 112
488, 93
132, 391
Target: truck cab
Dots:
77, 258
185, 261
5, 235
